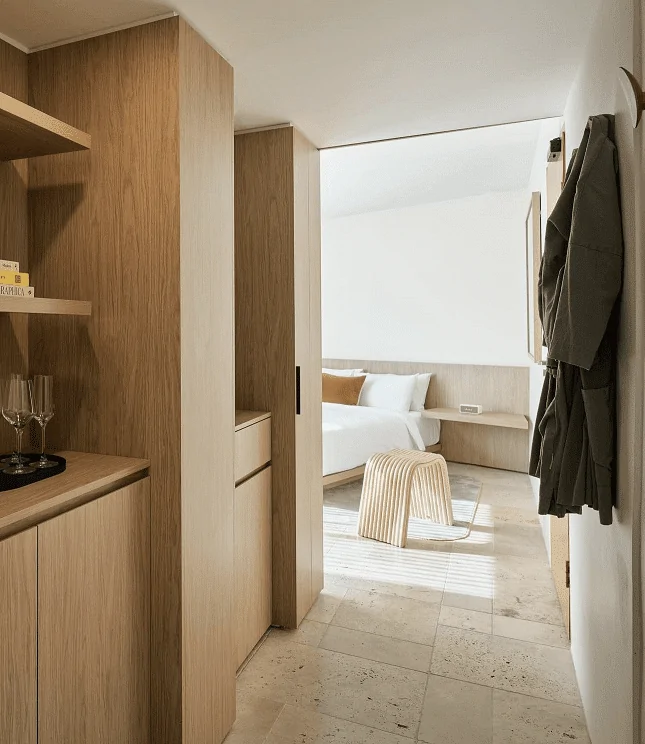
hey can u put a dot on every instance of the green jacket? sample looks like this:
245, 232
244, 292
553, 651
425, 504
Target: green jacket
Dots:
573, 451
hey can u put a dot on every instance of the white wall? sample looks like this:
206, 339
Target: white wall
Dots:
439, 282
602, 567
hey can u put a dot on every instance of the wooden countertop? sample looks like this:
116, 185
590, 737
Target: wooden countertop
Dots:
487, 418
248, 418
87, 477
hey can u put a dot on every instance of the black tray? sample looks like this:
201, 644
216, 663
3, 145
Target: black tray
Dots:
9, 482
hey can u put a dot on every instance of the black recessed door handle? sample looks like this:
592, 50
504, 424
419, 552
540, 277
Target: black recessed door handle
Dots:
298, 391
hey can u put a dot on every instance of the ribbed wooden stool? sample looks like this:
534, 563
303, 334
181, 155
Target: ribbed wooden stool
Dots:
398, 484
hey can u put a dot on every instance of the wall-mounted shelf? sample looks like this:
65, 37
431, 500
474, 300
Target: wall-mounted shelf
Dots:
44, 306
26, 132
488, 418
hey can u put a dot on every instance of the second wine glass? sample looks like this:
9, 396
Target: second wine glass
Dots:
18, 409
43, 413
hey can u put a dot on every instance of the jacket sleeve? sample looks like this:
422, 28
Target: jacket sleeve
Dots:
592, 274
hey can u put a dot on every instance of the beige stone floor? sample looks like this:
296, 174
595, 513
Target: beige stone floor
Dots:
443, 643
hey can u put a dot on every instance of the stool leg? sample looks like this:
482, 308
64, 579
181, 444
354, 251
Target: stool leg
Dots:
385, 500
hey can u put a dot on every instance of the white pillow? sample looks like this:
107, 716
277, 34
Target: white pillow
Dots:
393, 392
343, 372
420, 391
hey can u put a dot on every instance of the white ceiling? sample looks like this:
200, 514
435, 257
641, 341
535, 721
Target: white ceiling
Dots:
420, 170
357, 70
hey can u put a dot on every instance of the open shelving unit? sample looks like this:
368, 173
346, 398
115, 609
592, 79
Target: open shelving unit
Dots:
44, 306
26, 132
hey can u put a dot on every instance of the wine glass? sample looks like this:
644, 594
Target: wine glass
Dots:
13, 459
18, 409
43, 413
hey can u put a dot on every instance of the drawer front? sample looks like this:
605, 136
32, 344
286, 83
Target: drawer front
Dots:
253, 561
252, 449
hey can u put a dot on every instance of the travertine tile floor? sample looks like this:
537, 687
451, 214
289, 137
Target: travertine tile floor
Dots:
443, 643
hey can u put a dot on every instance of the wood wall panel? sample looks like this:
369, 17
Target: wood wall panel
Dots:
497, 388
93, 621
265, 328
207, 389
105, 228
128, 225
277, 329
18, 634
14, 228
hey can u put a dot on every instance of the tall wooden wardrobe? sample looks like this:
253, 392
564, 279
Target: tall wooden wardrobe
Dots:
140, 226
278, 344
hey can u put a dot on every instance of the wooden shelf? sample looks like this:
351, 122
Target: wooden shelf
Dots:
488, 418
44, 306
248, 418
26, 132
86, 478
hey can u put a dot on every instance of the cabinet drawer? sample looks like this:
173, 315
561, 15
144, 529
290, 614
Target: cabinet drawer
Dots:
253, 562
252, 448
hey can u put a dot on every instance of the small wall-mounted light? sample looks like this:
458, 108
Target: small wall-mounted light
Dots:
634, 94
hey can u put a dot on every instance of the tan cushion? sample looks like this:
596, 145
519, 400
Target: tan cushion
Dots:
345, 390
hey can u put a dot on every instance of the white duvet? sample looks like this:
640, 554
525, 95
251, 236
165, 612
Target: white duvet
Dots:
352, 434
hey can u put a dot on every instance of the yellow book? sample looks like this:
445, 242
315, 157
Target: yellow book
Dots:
14, 277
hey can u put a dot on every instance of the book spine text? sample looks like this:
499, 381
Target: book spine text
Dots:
14, 277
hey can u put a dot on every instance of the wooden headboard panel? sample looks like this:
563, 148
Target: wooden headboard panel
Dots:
497, 388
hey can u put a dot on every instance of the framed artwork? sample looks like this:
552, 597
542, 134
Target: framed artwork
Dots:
533, 260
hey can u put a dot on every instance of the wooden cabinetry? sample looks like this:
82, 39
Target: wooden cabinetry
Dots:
252, 444
253, 542
141, 226
75, 606
278, 356
93, 621
18, 639
252, 562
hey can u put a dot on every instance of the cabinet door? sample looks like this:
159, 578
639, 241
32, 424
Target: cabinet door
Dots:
252, 562
308, 359
18, 639
93, 621
315, 385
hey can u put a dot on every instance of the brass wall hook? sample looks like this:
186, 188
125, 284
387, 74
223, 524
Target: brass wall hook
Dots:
634, 94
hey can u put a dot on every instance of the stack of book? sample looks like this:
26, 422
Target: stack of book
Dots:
13, 283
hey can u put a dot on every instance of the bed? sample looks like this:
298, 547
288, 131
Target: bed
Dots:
352, 434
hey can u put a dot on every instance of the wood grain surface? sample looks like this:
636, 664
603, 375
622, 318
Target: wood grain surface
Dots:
252, 449
559, 539
277, 329
265, 363
18, 639
486, 418
105, 228
125, 226
252, 562
207, 390
14, 229
314, 392
93, 621
86, 477
26, 132
304, 434
496, 388
249, 418
44, 306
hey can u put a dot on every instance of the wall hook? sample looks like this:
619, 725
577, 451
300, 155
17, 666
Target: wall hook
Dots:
634, 94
